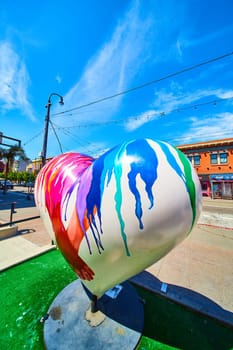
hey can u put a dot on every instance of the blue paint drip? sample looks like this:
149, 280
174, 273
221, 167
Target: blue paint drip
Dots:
144, 163
93, 201
173, 162
113, 166
185, 175
118, 194
99, 173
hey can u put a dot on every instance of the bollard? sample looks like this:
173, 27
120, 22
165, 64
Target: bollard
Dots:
12, 212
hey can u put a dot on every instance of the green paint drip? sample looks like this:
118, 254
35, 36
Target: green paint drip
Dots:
190, 184
118, 201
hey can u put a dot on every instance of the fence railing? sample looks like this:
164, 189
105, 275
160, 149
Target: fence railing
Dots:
11, 222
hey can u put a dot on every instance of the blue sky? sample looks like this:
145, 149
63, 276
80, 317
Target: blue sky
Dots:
89, 50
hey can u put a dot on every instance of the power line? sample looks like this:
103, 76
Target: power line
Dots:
161, 114
184, 70
64, 129
79, 141
33, 138
135, 88
56, 137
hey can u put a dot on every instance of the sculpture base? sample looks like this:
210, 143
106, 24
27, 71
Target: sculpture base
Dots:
67, 328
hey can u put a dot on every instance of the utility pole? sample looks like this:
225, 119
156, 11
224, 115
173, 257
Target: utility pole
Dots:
46, 128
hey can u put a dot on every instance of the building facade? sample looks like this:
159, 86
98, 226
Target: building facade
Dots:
35, 165
20, 165
213, 161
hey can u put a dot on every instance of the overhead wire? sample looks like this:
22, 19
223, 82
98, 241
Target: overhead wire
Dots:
33, 138
214, 102
78, 140
136, 88
161, 114
168, 76
60, 146
125, 120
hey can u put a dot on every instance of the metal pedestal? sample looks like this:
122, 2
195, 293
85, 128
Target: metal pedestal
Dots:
67, 328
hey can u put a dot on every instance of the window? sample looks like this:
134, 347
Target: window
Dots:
204, 186
190, 158
223, 158
214, 158
196, 160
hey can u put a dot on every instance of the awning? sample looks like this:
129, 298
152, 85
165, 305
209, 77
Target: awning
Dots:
220, 177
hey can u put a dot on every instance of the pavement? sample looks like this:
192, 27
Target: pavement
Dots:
203, 262
31, 239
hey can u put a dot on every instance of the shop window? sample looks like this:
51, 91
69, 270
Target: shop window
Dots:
217, 189
223, 158
227, 190
214, 158
204, 186
196, 160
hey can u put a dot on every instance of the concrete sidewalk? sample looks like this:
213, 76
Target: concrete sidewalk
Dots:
31, 238
17, 249
202, 263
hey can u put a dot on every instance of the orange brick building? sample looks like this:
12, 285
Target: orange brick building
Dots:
213, 161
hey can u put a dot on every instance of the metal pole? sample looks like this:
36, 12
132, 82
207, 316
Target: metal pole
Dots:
94, 307
46, 128
44, 149
12, 212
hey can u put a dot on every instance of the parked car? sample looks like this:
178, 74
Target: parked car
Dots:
9, 185
30, 184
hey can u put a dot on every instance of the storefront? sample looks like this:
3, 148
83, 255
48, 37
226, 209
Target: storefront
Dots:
205, 185
221, 186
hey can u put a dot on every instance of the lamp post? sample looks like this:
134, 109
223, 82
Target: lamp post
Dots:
47, 119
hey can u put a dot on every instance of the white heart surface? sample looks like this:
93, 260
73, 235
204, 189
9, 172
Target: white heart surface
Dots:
114, 216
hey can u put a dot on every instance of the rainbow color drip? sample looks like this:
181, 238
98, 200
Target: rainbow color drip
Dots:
71, 187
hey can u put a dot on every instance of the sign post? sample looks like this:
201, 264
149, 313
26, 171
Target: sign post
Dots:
2, 137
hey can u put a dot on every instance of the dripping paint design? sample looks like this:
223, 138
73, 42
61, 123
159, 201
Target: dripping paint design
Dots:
78, 182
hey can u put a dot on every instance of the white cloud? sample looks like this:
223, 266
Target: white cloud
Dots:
58, 79
204, 38
225, 94
14, 81
113, 67
121, 59
136, 122
179, 48
175, 98
211, 127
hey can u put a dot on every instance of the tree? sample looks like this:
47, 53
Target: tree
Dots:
9, 155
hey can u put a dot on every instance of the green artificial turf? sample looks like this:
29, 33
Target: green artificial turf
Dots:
27, 290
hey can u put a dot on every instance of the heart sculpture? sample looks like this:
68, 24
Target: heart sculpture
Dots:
114, 216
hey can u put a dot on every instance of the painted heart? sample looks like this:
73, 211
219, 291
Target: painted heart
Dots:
114, 216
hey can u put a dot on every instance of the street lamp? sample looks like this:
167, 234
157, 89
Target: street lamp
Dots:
47, 119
